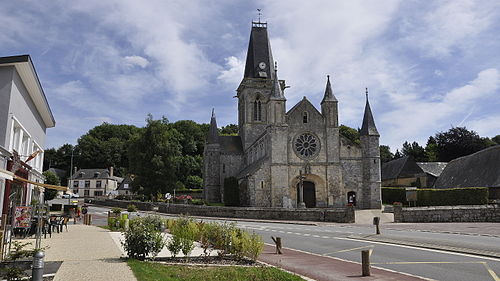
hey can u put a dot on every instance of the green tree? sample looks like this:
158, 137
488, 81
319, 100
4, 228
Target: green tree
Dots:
350, 133
496, 139
414, 150
105, 146
457, 142
385, 154
431, 150
194, 182
229, 130
154, 156
192, 137
53, 179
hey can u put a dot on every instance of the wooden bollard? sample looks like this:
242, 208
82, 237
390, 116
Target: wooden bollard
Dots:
365, 262
277, 241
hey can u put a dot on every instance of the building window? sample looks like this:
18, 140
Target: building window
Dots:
262, 184
86, 193
257, 110
75, 183
87, 184
304, 117
98, 193
98, 184
223, 168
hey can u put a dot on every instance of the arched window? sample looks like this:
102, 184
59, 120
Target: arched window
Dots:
304, 117
257, 110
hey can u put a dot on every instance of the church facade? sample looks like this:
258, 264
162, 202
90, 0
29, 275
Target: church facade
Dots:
290, 159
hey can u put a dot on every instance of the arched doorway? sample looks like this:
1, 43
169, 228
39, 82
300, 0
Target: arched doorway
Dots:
351, 198
309, 194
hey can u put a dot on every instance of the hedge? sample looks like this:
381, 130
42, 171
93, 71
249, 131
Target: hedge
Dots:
231, 192
438, 197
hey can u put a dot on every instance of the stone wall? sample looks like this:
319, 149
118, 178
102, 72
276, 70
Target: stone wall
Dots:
472, 213
342, 215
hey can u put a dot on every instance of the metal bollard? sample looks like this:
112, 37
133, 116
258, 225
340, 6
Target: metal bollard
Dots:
37, 271
365, 262
376, 222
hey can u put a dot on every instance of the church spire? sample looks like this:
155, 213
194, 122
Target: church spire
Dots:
368, 128
213, 133
328, 92
259, 62
276, 91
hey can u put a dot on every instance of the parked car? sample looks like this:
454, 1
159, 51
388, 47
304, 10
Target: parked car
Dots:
73, 195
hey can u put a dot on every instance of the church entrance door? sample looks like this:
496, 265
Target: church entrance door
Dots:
309, 194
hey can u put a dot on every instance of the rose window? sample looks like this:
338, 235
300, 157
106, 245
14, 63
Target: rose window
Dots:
306, 145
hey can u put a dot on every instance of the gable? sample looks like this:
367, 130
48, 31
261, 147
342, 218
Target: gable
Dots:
296, 114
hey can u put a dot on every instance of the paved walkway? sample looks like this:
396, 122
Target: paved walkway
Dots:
88, 253
327, 268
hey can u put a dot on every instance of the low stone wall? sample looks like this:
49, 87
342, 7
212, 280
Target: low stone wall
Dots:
342, 215
143, 206
472, 213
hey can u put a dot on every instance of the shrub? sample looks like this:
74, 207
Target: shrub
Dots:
438, 197
231, 192
185, 231
174, 245
131, 208
255, 246
393, 194
116, 210
143, 239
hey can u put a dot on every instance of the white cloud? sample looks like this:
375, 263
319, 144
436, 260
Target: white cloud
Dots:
136, 60
447, 25
233, 72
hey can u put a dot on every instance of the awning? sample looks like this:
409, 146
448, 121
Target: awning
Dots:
44, 185
4, 174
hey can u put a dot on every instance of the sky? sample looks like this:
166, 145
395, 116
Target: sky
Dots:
428, 65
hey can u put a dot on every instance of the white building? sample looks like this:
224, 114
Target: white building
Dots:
94, 182
25, 116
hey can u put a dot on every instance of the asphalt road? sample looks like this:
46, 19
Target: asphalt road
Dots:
336, 240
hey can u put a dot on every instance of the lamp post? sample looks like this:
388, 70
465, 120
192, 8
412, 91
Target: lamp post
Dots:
71, 175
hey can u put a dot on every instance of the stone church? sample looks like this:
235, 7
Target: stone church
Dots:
290, 159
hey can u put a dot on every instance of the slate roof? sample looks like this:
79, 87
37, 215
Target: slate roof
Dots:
128, 179
481, 169
432, 168
250, 169
400, 168
59, 172
231, 144
213, 133
328, 92
83, 174
259, 50
368, 128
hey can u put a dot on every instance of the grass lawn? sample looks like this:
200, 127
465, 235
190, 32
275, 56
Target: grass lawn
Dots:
149, 271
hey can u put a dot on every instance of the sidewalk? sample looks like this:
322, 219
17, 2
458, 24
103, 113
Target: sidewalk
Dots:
326, 268
88, 253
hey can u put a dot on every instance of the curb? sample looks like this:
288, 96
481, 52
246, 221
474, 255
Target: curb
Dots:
430, 246
226, 219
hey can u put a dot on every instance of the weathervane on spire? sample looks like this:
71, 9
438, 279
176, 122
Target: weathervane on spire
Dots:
259, 23
366, 92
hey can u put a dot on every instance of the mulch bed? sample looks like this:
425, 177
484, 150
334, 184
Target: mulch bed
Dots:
211, 260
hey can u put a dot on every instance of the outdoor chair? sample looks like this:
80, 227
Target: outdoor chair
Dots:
54, 223
64, 222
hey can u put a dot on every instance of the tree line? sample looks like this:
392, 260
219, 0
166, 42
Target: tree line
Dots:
161, 155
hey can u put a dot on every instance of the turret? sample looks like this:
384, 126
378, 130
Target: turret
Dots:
211, 164
276, 105
369, 137
329, 106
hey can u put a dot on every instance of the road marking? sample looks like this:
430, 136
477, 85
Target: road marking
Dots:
347, 250
428, 262
326, 237
492, 273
